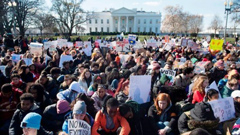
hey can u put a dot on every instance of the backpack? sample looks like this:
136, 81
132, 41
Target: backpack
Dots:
183, 106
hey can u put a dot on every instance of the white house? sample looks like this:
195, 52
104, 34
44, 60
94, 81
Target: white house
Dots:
124, 20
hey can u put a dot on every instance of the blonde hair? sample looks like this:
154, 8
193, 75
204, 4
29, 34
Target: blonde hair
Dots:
197, 86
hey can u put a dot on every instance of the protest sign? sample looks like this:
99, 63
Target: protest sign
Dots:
166, 39
216, 44
168, 47
87, 48
184, 42
123, 58
121, 46
152, 43
2, 68
138, 45
36, 49
214, 86
16, 57
208, 38
169, 73
79, 43
28, 61
62, 42
64, 58
51, 45
78, 127
140, 86
183, 60
223, 108
200, 67
178, 64
69, 44
132, 39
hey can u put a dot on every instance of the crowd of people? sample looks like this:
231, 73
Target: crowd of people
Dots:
40, 98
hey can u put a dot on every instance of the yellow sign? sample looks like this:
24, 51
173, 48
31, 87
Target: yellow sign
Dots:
216, 44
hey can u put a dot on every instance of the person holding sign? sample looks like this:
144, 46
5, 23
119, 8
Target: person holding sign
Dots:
79, 113
108, 121
161, 115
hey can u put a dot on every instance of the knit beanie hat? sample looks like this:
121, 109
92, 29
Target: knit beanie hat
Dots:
62, 106
80, 108
31, 120
163, 79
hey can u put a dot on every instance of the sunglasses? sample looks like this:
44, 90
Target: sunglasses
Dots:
233, 84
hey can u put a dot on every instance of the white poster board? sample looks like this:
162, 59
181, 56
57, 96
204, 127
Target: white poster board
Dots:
140, 86
69, 44
169, 73
28, 61
62, 43
79, 43
184, 42
78, 127
214, 86
36, 49
16, 57
2, 68
64, 58
223, 108
152, 42
87, 48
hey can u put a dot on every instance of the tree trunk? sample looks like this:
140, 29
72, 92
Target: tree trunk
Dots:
22, 31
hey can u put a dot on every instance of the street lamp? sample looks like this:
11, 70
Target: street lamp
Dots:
228, 4
13, 5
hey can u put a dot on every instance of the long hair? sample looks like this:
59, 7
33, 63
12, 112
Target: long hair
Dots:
40, 90
82, 76
64, 84
19, 64
198, 84
161, 97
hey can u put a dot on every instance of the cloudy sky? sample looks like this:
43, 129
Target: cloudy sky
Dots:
207, 8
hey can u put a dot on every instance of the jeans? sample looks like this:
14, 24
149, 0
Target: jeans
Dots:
162, 125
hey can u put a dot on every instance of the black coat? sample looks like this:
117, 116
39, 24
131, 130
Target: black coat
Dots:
19, 114
51, 120
216, 75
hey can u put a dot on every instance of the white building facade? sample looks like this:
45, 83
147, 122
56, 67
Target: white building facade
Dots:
125, 20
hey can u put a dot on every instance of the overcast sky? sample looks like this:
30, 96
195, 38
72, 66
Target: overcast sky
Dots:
207, 8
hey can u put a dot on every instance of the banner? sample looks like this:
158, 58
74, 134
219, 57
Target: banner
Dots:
132, 39
223, 108
78, 127
140, 86
64, 58
169, 73
152, 42
16, 57
216, 44
2, 68
28, 61
36, 49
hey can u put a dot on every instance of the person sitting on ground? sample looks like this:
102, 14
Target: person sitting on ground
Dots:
231, 85
26, 105
79, 112
162, 116
17, 83
71, 93
99, 96
9, 99
108, 121
66, 68
53, 115
198, 89
236, 97
184, 79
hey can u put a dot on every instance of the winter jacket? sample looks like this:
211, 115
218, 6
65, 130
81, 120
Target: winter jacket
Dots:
65, 71
19, 114
69, 115
98, 102
197, 97
201, 116
182, 81
51, 87
236, 128
71, 93
27, 77
237, 109
101, 122
167, 115
6, 114
46, 101
216, 74
121, 97
51, 120
21, 86
84, 85
226, 92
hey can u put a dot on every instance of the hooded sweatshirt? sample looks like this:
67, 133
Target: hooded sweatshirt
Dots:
71, 93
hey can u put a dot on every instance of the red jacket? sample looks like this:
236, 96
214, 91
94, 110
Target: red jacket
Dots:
119, 121
197, 97
9, 105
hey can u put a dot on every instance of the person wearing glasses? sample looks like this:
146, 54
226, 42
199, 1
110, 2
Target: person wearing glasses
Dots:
231, 85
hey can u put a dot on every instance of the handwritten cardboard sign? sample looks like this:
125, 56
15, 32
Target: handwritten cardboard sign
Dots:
78, 127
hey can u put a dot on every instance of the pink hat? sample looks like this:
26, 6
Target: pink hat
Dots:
62, 106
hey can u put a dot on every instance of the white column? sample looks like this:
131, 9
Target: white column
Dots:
119, 24
126, 23
135, 24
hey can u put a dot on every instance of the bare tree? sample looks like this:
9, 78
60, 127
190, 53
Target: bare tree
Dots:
216, 24
6, 17
172, 19
195, 23
45, 22
69, 14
